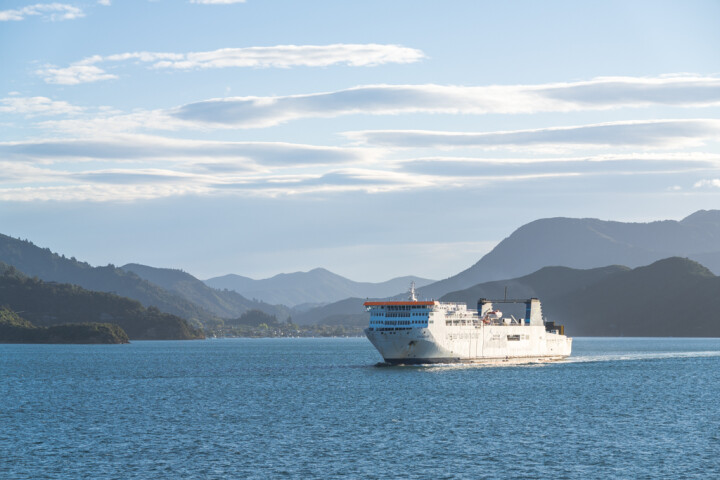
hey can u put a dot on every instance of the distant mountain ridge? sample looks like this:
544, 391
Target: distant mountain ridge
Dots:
589, 243
51, 267
349, 311
671, 297
225, 304
316, 286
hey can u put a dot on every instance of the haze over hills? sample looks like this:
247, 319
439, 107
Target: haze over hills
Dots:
223, 303
588, 243
671, 297
316, 286
349, 311
51, 267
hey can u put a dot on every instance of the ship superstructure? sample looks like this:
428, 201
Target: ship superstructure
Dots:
428, 331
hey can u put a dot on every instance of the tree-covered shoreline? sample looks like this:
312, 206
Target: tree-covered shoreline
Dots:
15, 329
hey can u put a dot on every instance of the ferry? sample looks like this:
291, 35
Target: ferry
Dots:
415, 332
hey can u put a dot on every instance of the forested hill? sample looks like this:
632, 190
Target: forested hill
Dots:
674, 297
47, 303
224, 303
14, 329
585, 243
51, 267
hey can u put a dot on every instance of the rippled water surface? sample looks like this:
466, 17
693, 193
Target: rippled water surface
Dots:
321, 408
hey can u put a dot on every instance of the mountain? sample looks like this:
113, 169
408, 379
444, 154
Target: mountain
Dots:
541, 284
546, 283
584, 243
51, 267
671, 297
47, 304
316, 286
223, 303
349, 311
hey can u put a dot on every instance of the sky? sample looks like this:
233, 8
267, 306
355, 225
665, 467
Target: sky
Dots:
375, 138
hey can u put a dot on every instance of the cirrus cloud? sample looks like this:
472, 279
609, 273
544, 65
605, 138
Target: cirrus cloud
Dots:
711, 183
644, 134
597, 94
32, 106
144, 148
217, 2
48, 11
279, 56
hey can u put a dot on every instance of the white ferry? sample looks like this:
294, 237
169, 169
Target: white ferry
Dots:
420, 332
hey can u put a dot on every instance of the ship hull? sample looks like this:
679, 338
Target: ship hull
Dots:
473, 361
497, 344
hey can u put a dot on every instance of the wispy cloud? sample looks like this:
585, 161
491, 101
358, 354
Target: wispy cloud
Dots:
600, 93
143, 148
708, 183
280, 56
37, 106
217, 2
75, 74
644, 134
257, 112
136, 167
600, 164
47, 11
96, 192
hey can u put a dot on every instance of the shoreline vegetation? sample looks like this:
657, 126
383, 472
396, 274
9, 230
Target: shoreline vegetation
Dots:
258, 324
15, 329
30, 303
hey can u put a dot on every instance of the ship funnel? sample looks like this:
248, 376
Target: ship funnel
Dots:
484, 306
412, 297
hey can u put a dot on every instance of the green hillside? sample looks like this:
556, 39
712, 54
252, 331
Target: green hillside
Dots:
51, 267
584, 243
674, 297
223, 303
47, 304
14, 329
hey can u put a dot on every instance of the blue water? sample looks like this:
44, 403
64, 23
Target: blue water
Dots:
320, 408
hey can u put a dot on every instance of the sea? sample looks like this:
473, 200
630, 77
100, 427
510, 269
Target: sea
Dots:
640, 408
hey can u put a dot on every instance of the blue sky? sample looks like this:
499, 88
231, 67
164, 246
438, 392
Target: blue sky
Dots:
375, 139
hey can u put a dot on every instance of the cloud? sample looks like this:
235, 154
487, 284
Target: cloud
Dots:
96, 193
141, 168
48, 11
679, 90
645, 134
106, 3
280, 56
590, 165
37, 106
257, 112
143, 147
708, 183
75, 74
600, 93
217, 2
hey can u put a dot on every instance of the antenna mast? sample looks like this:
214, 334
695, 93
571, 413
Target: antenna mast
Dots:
412, 297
